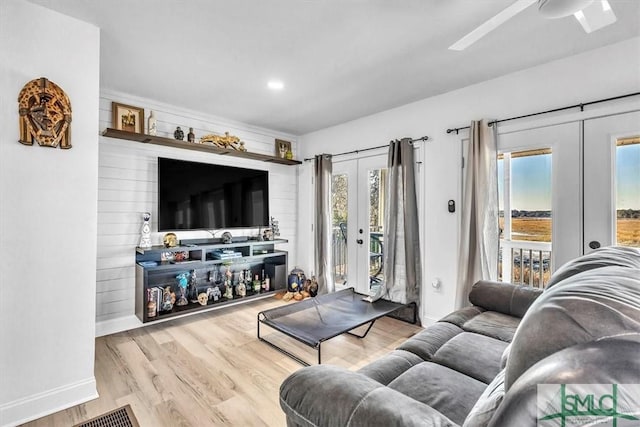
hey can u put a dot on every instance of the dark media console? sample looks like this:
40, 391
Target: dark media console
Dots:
204, 264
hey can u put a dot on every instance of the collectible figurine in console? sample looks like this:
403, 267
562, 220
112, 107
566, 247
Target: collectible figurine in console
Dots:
183, 281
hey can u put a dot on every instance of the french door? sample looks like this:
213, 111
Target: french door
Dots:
589, 196
358, 198
539, 176
612, 181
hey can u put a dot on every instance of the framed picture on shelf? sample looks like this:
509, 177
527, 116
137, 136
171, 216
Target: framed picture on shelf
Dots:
127, 118
282, 147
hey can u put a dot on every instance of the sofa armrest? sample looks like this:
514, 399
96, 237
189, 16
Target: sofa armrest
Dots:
502, 297
325, 395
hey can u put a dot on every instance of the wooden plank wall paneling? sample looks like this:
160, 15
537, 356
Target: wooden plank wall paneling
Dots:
127, 186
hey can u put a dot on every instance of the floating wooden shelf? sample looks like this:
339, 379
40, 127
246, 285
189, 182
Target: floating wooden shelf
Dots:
169, 142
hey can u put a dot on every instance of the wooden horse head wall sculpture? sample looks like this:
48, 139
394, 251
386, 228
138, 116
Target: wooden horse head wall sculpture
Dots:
45, 114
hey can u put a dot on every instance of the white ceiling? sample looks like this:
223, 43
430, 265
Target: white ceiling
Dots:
339, 59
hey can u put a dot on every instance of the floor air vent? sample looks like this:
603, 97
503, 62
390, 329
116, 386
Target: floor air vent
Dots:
121, 417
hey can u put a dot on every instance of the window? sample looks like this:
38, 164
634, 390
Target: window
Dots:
628, 191
524, 191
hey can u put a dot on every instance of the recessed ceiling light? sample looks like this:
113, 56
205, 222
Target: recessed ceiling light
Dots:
275, 85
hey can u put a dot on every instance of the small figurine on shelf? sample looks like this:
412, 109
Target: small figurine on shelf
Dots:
275, 227
241, 289
183, 281
167, 305
228, 283
193, 287
152, 125
228, 293
203, 298
215, 293
242, 147
178, 134
289, 155
191, 137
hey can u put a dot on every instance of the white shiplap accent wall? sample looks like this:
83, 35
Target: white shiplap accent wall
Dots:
127, 186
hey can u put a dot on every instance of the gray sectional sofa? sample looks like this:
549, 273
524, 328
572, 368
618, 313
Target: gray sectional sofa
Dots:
481, 365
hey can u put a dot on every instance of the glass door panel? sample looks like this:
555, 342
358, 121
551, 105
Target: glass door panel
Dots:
339, 214
377, 182
525, 194
612, 181
628, 191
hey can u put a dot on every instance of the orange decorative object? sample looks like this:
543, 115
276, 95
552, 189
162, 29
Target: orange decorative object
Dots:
45, 114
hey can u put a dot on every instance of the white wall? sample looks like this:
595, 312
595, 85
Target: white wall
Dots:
48, 219
601, 73
127, 186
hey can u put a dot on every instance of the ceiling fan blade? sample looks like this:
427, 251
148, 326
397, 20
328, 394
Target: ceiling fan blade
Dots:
596, 16
491, 24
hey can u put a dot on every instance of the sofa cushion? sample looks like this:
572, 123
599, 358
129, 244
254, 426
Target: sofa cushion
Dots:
603, 257
472, 354
595, 304
487, 404
425, 343
506, 298
460, 317
447, 391
493, 324
390, 366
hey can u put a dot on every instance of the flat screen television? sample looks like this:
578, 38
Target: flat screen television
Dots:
193, 195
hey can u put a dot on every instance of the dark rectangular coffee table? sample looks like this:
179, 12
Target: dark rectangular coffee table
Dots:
319, 319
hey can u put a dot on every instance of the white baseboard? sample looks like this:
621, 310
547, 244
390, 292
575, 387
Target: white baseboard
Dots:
111, 326
41, 404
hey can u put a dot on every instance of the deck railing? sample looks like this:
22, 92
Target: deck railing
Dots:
525, 263
339, 245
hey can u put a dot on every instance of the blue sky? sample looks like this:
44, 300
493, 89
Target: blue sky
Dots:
530, 183
531, 180
628, 176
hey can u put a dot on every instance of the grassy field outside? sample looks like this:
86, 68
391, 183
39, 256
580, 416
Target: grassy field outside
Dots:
539, 230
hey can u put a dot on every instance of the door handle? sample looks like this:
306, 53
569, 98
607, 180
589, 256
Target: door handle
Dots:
594, 244
359, 241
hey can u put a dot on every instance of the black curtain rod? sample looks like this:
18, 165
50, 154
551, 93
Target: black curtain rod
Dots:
424, 138
581, 106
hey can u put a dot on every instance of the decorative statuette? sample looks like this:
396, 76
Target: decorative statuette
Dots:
226, 141
275, 227
45, 114
152, 124
178, 134
170, 240
191, 137
145, 238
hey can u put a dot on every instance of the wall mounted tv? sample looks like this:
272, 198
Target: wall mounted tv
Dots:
194, 195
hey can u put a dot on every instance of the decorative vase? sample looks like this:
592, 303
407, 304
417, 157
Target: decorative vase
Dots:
289, 155
178, 134
152, 124
145, 237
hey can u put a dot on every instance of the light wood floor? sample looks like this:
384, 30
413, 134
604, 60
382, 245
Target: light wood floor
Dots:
210, 369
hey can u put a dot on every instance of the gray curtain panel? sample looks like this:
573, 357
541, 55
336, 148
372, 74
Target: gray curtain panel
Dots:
402, 266
479, 232
323, 253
